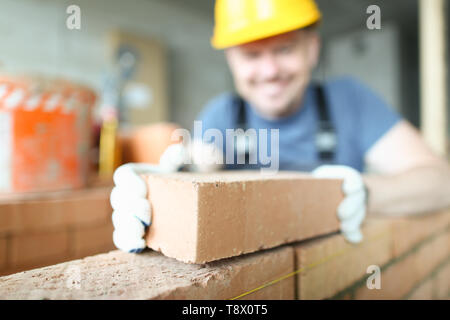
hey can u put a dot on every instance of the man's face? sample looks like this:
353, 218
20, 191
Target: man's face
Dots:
272, 73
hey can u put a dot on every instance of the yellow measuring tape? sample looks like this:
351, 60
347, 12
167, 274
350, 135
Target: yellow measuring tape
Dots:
310, 266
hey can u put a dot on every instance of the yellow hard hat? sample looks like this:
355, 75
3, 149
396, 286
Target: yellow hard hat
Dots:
242, 21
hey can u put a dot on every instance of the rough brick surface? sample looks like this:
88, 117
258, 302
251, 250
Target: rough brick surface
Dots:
198, 218
398, 279
53, 210
39, 263
119, 275
410, 231
331, 264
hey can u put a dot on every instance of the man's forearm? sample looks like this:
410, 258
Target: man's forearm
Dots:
418, 191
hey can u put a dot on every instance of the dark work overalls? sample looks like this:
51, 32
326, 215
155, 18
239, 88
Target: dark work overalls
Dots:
325, 139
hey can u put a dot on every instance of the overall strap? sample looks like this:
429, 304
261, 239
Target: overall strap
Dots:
326, 139
241, 122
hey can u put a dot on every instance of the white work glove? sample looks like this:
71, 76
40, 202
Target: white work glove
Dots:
205, 157
352, 210
131, 208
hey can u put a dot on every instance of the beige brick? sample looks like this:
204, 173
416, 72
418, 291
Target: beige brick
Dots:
119, 275
423, 292
442, 283
33, 248
198, 218
54, 210
3, 252
93, 240
331, 264
411, 231
398, 279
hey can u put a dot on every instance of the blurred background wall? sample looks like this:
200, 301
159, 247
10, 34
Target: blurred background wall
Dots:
34, 38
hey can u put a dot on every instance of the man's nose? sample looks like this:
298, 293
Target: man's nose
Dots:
268, 67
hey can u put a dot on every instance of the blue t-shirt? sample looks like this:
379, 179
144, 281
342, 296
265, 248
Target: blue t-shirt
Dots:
359, 116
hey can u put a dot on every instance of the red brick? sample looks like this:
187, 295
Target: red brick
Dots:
7, 218
119, 275
3, 252
94, 240
411, 231
331, 264
399, 279
33, 248
54, 210
198, 218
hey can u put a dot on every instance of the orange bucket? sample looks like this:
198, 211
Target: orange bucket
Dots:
45, 134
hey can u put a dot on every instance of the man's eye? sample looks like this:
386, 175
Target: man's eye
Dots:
251, 54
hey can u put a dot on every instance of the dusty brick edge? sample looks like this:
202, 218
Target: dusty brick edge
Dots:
150, 275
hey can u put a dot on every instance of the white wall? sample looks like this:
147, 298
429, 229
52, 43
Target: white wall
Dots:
373, 56
34, 38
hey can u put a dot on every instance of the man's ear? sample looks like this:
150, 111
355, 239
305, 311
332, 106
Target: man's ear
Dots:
227, 53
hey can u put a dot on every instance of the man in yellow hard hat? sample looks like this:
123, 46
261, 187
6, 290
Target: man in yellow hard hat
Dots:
336, 129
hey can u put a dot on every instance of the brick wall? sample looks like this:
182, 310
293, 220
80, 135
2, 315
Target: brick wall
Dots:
42, 229
413, 255
410, 252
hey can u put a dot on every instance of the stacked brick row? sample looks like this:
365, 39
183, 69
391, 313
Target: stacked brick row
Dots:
311, 261
415, 267
409, 252
47, 228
